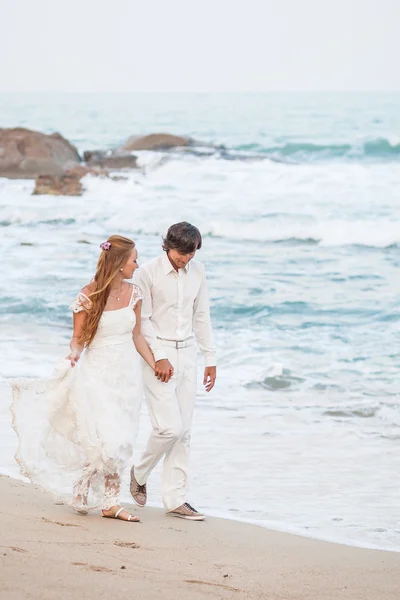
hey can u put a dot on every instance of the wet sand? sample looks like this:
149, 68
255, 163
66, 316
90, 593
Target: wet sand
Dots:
48, 551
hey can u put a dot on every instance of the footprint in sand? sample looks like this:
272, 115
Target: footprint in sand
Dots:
220, 585
59, 523
92, 567
131, 545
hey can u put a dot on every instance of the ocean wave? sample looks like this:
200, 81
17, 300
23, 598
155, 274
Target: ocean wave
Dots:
378, 148
365, 412
38, 309
305, 205
381, 149
276, 378
383, 235
334, 232
364, 234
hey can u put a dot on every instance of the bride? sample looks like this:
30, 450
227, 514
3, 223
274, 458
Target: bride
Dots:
76, 430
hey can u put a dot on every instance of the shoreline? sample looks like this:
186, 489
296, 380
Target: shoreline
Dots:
278, 528
169, 558
282, 526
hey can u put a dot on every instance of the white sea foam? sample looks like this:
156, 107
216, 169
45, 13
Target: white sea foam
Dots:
211, 192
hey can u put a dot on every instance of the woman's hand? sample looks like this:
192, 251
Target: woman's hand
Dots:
164, 370
74, 356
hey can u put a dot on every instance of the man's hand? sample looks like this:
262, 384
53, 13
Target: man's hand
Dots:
164, 370
210, 375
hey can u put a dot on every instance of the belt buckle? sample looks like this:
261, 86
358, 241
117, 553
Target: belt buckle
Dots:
180, 345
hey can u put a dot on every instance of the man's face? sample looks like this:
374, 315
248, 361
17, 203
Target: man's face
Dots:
179, 260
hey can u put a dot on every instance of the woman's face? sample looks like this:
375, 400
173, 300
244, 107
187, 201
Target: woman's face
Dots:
131, 265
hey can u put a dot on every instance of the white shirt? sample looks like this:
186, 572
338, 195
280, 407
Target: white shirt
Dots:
175, 305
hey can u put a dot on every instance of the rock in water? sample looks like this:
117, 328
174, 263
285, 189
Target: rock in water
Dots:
58, 185
110, 160
25, 154
67, 184
155, 141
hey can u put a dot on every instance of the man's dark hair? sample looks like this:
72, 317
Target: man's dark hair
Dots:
183, 237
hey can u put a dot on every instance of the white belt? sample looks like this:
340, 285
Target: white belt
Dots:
178, 344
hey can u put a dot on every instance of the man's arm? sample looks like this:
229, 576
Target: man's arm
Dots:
203, 332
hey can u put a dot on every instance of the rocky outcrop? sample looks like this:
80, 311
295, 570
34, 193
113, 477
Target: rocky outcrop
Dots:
26, 154
155, 141
56, 166
110, 159
67, 184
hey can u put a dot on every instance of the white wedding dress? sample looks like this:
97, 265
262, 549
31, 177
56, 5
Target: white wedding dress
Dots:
76, 430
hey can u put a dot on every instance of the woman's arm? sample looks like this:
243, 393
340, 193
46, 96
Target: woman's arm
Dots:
76, 348
138, 339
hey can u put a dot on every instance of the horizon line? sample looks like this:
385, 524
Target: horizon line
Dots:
186, 92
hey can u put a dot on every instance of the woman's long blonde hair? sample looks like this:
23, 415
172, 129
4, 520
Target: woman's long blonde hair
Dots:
111, 260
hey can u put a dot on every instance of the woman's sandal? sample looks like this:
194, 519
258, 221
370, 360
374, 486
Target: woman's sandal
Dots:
131, 518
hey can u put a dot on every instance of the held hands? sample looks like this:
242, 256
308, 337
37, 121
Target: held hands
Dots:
210, 375
163, 370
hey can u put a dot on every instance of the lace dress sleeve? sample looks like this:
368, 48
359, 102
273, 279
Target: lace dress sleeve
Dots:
81, 302
137, 295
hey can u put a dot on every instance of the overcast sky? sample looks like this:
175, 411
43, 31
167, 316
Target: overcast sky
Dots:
205, 45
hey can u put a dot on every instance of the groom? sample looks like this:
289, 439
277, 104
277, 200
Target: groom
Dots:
175, 307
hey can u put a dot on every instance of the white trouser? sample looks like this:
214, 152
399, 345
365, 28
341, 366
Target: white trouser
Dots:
171, 409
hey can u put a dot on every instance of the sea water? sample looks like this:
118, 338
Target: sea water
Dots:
297, 197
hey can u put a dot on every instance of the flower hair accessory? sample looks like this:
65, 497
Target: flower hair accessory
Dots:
105, 245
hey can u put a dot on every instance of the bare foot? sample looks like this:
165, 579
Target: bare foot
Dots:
81, 498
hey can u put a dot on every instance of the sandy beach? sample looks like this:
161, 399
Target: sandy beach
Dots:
48, 551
